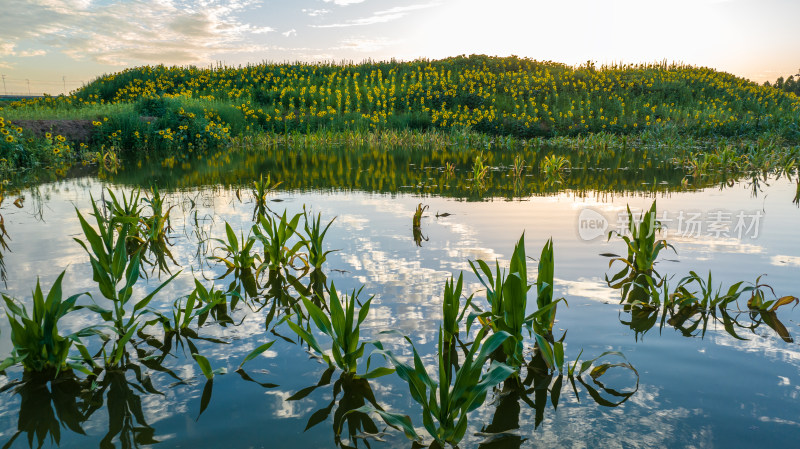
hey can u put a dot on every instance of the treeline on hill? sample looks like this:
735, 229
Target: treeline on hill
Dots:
790, 84
183, 110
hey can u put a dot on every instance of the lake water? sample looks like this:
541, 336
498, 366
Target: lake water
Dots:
694, 388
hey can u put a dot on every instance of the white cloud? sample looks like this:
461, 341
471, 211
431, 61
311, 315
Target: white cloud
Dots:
343, 2
291, 32
29, 53
364, 44
130, 31
316, 12
260, 30
7, 48
387, 15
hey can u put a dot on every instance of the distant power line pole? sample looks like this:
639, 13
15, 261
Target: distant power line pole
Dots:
29, 86
64, 79
5, 92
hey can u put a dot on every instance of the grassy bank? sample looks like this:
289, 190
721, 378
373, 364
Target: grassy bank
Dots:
179, 112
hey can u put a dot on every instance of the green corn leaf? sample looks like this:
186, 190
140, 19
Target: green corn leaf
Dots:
104, 282
546, 351
204, 365
232, 240
558, 354
121, 344
377, 372
146, 300
337, 313
120, 255
396, 420
8, 362
12, 307
256, 352
319, 317
308, 338
91, 235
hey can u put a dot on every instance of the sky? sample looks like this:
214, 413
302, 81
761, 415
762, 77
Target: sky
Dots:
49, 46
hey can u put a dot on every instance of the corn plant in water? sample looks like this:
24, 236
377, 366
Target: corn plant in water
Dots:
112, 267
507, 298
155, 227
452, 316
552, 166
479, 168
314, 237
702, 295
147, 233
758, 300
37, 344
274, 233
261, 189
452, 311
449, 169
417, 220
519, 166
127, 210
196, 305
541, 387
763, 309
458, 391
239, 260
643, 251
344, 330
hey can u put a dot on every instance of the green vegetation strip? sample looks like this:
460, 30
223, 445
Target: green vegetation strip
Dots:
179, 112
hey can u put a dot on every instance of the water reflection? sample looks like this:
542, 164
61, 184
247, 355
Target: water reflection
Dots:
46, 407
68, 402
355, 393
372, 233
4, 238
541, 388
448, 173
694, 321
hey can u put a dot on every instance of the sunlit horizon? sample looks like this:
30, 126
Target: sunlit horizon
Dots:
56, 46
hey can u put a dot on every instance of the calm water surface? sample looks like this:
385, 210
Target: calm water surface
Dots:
710, 390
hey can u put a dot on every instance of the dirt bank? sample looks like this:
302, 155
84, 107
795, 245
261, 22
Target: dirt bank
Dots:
74, 130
